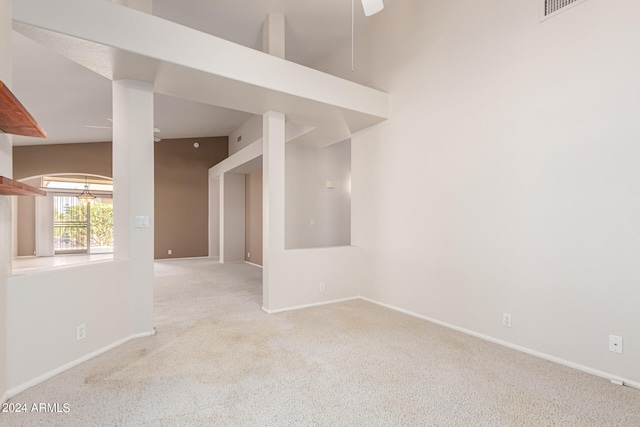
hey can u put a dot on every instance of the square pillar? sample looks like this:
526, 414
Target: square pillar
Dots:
273, 162
133, 193
273, 35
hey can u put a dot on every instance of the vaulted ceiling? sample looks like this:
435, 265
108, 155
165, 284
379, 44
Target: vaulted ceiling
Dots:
73, 104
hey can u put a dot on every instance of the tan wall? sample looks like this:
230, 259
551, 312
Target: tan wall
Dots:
88, 158
253, 227
181, 187
182, 194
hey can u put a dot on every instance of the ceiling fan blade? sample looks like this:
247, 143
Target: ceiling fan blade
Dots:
371, 7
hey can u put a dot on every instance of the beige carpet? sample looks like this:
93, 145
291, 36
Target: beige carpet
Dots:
217, 359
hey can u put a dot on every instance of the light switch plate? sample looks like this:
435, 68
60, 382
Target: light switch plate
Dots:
142, 221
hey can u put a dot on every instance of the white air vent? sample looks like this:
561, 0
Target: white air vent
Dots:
549, 8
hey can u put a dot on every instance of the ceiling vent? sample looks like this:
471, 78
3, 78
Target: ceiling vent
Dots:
549, 8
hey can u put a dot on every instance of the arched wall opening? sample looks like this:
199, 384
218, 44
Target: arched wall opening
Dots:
60, 223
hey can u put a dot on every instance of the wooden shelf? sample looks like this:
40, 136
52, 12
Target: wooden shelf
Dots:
9, 187
14, 118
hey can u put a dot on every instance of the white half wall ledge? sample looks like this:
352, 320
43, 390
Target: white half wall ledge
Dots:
151, 49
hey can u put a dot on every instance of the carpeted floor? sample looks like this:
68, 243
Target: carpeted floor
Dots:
217, 359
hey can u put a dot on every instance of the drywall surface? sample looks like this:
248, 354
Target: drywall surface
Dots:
253, 220
315, 214
93, 158
181, 189
306, 277
506, 179
232, 217
26, 219
302, 277
46, 307
44, 230
246, 134
6, 225
214, 217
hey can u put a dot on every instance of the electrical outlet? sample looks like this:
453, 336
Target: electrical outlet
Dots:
615, 344
312, 222
248, 254
169, 252
81, 332
321, 287
506, 320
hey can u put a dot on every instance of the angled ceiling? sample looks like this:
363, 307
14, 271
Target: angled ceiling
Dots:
65, 97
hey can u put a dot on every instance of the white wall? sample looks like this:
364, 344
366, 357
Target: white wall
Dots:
232, 217
317, 216
292, 278
44, 225
214, 217
507, 177
248, 132
47, 306
6, 169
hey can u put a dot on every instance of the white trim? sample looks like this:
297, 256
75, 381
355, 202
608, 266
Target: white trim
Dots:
613, 378
183, 259
35, 381
316, 304
254, 264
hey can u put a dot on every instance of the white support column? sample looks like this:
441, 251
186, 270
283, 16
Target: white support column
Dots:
273, 35
133, 187
273, 187
6, 169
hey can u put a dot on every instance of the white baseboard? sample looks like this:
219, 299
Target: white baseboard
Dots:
24, 386
184, 258
613, 378
251, 263
317, 304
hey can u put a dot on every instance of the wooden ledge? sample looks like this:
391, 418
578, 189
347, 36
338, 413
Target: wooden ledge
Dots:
14, 118
9, 187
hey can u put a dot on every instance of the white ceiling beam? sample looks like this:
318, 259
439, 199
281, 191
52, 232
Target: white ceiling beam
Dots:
122, 43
